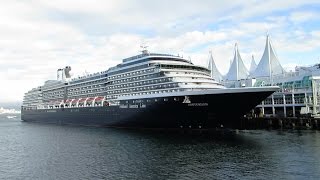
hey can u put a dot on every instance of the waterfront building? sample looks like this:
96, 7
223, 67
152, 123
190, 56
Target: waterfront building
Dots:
237, 69
214, 72
299, 89
253, 65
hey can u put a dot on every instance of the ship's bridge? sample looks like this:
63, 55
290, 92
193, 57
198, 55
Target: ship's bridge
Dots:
151, 56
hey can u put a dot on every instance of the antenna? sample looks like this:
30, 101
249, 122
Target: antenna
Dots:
66, 71
144, 49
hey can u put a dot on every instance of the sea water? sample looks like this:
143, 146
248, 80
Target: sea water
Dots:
44, 151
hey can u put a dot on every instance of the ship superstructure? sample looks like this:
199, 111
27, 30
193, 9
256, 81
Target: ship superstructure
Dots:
148, 73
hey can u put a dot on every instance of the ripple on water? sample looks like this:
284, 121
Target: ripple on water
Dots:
39, 151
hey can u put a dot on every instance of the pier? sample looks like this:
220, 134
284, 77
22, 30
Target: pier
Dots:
279, 123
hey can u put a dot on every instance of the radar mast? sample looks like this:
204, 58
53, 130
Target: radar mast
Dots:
144, 49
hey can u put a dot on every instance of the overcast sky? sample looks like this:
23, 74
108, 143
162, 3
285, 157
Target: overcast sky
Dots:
39, 36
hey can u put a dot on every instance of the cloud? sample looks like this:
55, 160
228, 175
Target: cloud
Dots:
38, 37
302, 16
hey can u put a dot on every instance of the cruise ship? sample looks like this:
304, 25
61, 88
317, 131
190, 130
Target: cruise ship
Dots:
148, 90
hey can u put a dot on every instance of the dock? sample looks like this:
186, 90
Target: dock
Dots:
279, 123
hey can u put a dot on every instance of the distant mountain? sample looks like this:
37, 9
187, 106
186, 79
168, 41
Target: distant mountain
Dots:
8, 111
11, 105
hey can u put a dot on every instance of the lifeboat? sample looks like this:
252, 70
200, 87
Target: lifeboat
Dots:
55, 104
89, 101
106, 103
68, 102
98, 100
74, 102
81, 102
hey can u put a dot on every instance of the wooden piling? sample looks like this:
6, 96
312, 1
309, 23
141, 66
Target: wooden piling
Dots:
279, 123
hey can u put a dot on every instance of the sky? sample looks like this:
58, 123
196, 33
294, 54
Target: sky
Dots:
37, 37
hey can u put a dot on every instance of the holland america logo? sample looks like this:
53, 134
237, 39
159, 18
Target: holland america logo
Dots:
186, 99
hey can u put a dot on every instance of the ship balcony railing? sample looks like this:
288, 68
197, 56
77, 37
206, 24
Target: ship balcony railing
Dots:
189, 70
137, 87
141, 72
143, 82
138, 80
159, 91
145, 89
184, 72
189, 77
195, 81
91, 83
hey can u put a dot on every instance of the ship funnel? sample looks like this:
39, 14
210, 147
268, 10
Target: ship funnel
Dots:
64, 73
59, 74
67, 70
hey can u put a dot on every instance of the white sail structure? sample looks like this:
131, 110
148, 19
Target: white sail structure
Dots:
269, 64
253, 65
237, 69
215, 74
